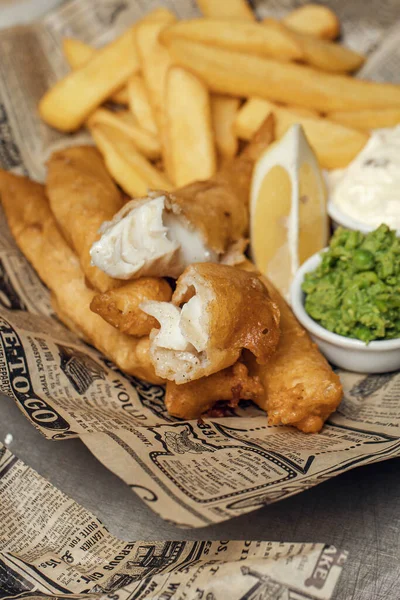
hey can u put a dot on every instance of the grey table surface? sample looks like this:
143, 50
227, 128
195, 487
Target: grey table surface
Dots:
357, 511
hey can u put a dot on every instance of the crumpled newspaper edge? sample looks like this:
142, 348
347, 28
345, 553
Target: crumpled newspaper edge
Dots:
51, 546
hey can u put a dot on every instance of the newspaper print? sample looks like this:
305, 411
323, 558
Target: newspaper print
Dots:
49, 545
191, 473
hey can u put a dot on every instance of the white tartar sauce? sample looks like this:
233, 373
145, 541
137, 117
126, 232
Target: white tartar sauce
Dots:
368, 190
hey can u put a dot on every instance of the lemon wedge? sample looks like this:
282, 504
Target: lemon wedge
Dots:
288, 215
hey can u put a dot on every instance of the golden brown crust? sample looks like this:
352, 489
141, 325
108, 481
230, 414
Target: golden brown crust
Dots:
217, 312
300, 387
120, 306
191, 400
82, 196
37, 235
240, 312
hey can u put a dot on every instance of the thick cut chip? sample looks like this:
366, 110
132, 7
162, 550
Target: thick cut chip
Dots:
155, 62
366, 120
230, 72
304, 112
139, 104
224, 110
276, 41
190, 138
314, 19
319, 53
70, 101
226, 9
146, 142
130, 169
78, 54
335, 145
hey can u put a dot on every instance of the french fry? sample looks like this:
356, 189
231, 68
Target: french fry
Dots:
121, 96
132, 171
155, 62
335, 145
274, 40
321, 54
329, 56
314, 19
139, 104
70, 101
189, 127
78, 54
161, 14
121, 307
146, 142
223, 112
301, 110
228, 72
367, 119
36, 233
226, 9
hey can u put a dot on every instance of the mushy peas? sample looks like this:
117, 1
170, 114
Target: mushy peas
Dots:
355, 291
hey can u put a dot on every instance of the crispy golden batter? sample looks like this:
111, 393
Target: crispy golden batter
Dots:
300, 387
120, 307
218, 208
199, 222
224, 310
65, 319
191, 400
82, 196
37, 235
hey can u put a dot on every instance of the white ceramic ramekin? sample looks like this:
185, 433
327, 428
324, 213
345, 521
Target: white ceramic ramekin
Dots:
338, 217
350, 354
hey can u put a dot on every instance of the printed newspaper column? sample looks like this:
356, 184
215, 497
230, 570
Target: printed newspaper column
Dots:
49, 545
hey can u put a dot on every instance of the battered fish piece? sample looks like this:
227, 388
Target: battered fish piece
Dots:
37, 235
120, 307
216, 312
300, 387
82, 196
65, 319
162, 234
193, 399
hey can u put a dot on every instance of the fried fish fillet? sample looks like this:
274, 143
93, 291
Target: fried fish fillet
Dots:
191, 400
36, 233
162, 234
301, 388
82, 196
120, 306
215, 313
65, 319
